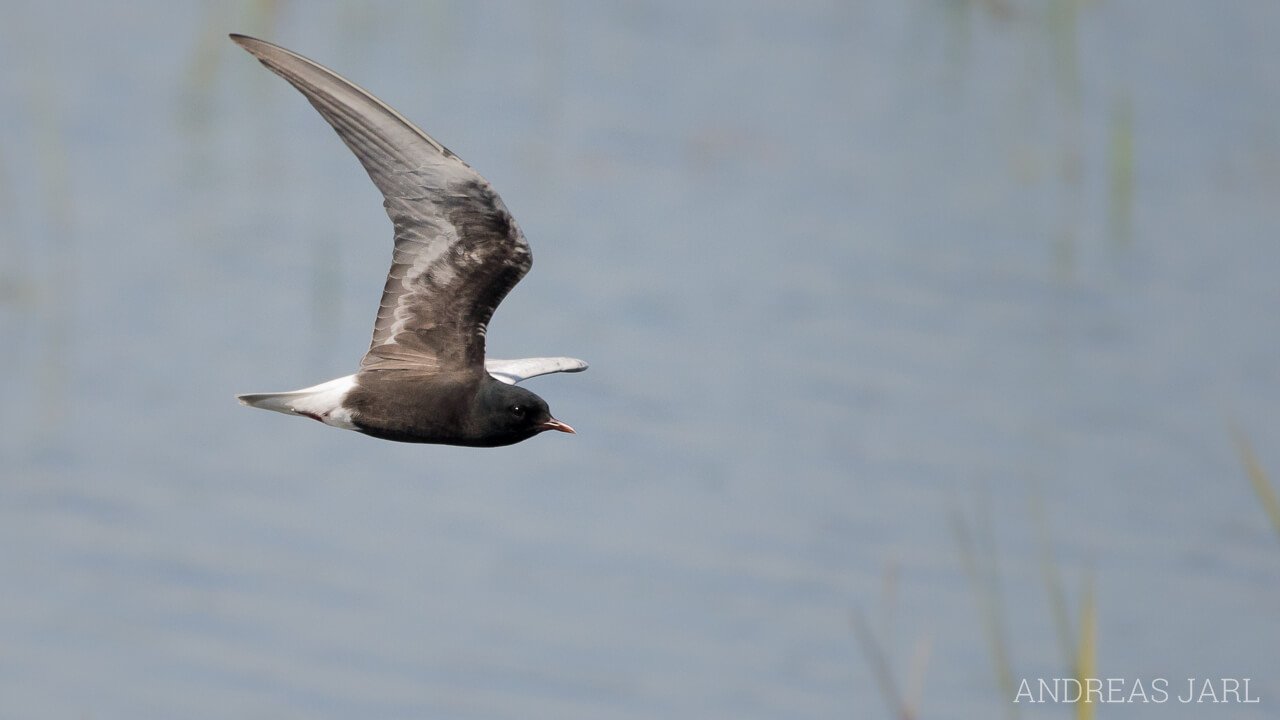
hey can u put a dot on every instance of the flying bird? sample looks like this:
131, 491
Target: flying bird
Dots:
458, 252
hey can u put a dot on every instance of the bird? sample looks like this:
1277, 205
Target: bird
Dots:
458, 252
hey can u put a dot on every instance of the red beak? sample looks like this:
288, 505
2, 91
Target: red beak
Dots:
554, 424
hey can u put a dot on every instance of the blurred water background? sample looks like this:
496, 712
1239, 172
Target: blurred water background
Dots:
933, 313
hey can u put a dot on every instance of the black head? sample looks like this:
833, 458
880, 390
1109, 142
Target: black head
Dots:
508, 414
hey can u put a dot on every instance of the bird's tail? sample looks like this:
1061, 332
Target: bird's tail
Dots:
322, 402
280, 402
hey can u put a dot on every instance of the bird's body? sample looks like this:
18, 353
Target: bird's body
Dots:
458, 252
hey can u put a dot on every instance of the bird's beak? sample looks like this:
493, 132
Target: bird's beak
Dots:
554, 424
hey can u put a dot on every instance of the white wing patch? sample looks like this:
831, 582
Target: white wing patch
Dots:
513, 371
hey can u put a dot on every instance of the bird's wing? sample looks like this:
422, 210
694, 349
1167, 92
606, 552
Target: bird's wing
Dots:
513, 371
458, 251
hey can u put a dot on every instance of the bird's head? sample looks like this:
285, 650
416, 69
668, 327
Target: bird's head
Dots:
510, 414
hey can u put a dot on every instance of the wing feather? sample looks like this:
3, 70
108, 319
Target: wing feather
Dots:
458, 251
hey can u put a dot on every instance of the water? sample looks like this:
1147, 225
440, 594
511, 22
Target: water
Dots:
843, 273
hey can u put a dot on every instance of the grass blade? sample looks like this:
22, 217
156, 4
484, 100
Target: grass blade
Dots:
1257, 477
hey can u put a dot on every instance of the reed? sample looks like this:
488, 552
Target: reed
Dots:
1262, 486
979, 558
904, 704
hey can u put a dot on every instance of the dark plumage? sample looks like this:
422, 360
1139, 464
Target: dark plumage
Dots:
458, 252
480, 412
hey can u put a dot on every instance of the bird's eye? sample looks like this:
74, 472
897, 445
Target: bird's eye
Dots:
517, 411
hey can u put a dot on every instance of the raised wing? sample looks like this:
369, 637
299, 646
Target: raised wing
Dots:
458, 252
513, 371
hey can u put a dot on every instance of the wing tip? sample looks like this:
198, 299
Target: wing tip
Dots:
259, 48
252, 45
516, 371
